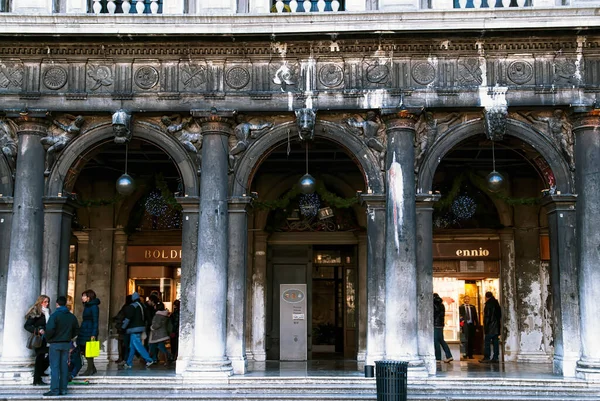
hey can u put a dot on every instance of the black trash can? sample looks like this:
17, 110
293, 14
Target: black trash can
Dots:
390, 378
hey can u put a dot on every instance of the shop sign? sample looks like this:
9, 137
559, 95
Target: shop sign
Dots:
153, 254
477, 250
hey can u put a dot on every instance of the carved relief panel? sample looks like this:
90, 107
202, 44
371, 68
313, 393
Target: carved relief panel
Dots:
377, 73
423, 72
54, 76
330, 74
100, 76
146, 75
193, 76
238, 76
284, 75
11, 75
518, 70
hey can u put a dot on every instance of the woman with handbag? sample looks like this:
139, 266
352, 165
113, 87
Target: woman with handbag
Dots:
87, 332
35, 322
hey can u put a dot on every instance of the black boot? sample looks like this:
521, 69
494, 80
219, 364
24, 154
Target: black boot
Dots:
91, 369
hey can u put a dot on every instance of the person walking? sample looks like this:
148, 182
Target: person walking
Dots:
439, 316
61, 328
135, 325
175, 326
35, 322
88, 332
123, 337
159, 334
492, 316
468, 322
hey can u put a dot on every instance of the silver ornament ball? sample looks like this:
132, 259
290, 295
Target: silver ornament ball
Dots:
495, 181
125, 185
307, 184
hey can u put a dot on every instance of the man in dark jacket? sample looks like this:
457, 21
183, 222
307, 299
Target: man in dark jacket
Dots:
468, 323
134, 325
61, 328
492, 316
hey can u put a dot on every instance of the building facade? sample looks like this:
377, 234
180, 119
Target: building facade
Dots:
399, 110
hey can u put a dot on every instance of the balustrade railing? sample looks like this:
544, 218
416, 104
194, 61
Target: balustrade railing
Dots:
492, 3
126, 7
303, 6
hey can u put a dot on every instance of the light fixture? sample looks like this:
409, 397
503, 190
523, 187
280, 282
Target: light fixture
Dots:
125, 184
307, 182
495, 180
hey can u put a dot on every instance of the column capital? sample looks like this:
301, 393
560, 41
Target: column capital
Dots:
30, 121
425, 201
240, 204
59, 204
214, 121
188, 203
372, 201
82, 236
554, 203
400, 118
591, 119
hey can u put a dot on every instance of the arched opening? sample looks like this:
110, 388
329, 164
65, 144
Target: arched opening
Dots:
472, 228
311, 242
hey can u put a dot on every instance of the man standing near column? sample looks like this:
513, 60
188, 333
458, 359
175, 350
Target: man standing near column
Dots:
491, 326
468, 323
61, 328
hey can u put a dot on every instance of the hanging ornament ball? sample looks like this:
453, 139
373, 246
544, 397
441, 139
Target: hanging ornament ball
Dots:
495, 181
125, 185
307, 184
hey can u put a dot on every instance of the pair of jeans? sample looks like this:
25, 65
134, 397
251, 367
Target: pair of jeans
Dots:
491, 339
76, 362
59, 370
438, 340
155, 347
135, 344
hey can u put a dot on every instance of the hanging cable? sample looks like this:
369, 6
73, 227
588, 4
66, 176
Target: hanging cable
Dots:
493, 157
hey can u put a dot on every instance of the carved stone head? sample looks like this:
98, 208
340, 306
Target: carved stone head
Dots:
305, 120
121, 121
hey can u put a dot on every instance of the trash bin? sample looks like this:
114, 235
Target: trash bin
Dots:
390, 378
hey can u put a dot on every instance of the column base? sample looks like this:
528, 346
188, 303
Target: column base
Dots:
430, 364
258, 355
534, 357
371, 358
202, 368
16, 371
588, 370
565, 365
239, 365
417, 369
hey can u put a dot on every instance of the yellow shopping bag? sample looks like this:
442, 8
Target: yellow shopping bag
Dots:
92, 349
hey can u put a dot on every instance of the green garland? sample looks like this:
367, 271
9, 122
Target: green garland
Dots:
480, 183
329, 197
89, 203
165, 192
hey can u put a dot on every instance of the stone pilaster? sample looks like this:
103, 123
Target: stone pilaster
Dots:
6, 213
563, 264
424, 205
587, 160
363, 254
259, 297
118, 288
400, 244
25, 256
58, 215
189, 255
376, 286
81, 274
209, 356
236, 283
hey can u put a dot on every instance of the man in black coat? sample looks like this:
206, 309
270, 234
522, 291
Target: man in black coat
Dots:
61, 328
492, 316
469, 320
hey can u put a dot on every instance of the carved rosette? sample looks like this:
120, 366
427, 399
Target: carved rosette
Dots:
55, 77
495, 122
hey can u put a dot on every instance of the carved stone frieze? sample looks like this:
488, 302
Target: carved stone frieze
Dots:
377, 72
237, 77
146, 77
54, 77
8, 141
193, 76
423, 72
58, 138
469, 71
100, 77
520, 72
557, 127
330, 75
567, 71
284, 74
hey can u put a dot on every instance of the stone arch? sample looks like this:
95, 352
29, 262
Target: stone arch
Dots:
518, 129
72, 159
366, 162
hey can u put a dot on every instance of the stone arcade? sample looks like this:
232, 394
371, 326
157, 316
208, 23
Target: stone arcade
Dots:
221, 116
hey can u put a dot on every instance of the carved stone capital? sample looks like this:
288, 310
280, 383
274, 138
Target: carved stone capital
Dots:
30, 121
214, 121
588, 120
400, 119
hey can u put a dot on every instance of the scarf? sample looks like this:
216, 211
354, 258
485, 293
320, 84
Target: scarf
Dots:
46, 313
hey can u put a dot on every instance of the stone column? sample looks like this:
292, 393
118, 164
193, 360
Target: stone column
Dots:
424, 205
510, 325
563, 265
587, 160
118, 287
58, 214
6, 213
362, 258
25, 256
189, 255
376, 286
259, 297
211, 267
236, 283
81, 272
400, 244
